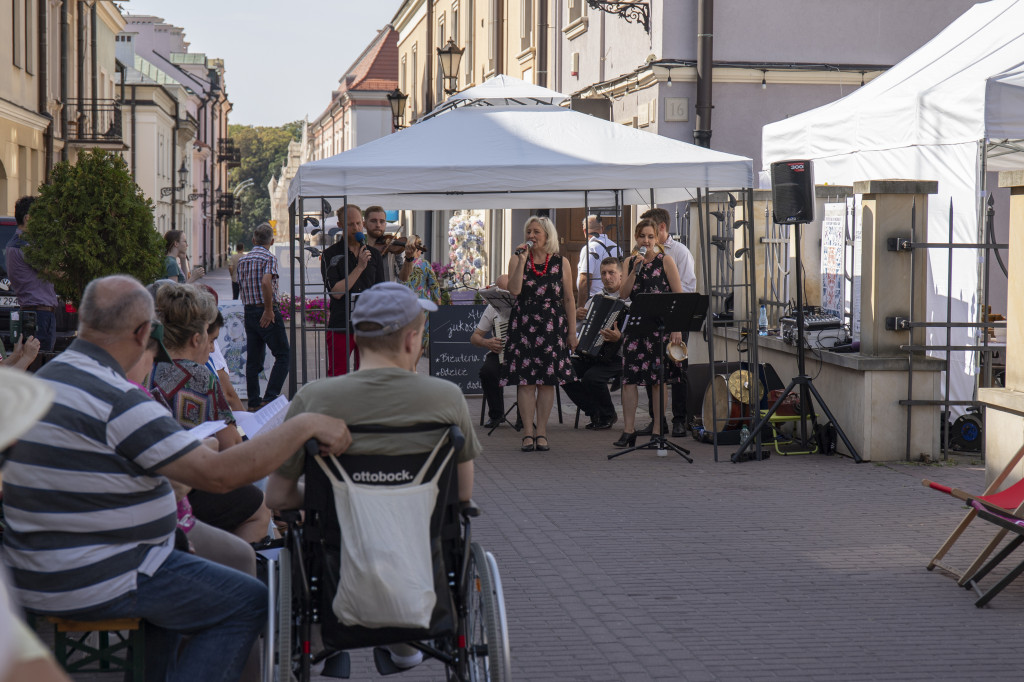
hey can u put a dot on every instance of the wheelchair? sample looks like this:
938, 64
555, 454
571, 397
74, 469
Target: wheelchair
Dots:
468, 631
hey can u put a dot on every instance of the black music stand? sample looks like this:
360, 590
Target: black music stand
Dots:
664, 314
805, 383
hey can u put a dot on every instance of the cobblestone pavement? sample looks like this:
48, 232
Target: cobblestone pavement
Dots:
809, 567
792, 568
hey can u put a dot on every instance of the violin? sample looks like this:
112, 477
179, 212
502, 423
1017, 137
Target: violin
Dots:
394, 243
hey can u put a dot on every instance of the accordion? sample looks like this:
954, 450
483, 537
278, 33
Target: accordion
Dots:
604, 312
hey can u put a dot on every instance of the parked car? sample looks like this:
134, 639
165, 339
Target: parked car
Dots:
67, 316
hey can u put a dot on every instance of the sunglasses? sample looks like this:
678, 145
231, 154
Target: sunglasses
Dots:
156, 330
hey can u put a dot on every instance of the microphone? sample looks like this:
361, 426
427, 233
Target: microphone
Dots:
521, 250
361, 237
642, 251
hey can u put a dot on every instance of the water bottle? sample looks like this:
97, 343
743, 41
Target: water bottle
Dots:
762, 322
15, 330
744, 434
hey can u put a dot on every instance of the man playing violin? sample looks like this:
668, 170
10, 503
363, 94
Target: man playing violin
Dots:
398, 255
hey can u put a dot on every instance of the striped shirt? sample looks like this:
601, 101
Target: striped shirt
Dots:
85, 507
251, 268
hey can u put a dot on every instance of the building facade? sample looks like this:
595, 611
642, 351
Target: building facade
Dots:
58, 88
199, 150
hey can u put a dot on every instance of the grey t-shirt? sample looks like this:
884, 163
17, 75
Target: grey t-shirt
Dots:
388, 397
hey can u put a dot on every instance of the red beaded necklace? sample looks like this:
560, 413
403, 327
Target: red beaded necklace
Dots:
547, 260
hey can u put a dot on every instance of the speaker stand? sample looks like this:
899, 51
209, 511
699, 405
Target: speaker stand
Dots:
804, 382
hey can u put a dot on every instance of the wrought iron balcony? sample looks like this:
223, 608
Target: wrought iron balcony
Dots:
228, 153
228, 206
94, 122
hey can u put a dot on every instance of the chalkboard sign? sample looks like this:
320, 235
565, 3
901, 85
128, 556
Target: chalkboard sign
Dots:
452, 356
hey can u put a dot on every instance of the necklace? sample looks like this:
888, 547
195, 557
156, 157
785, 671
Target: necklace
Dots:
547, 260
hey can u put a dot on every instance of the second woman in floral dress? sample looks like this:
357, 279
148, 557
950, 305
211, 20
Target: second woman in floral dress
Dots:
651, 273
541, 330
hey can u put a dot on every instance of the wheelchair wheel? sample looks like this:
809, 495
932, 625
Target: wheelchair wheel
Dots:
284, 617
486, 632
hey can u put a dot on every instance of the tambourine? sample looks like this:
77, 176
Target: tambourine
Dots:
677, 352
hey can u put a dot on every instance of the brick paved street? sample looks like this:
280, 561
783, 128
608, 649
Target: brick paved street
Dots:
798, 568
792, 568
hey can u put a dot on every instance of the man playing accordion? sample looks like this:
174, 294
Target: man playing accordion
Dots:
594, 371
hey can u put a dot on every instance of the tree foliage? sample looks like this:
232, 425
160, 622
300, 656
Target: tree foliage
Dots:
263, 149
89, 221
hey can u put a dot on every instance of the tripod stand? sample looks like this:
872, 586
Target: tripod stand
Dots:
664, 313
805, 382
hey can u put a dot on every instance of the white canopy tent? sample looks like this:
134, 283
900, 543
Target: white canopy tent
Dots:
509, 146
950, 111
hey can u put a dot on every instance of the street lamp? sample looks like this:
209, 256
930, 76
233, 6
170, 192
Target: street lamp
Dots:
450, 55
182, 179
397, 100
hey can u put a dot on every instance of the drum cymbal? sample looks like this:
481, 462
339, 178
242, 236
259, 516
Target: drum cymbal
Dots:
740, 385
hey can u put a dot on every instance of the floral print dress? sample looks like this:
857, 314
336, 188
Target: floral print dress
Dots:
641, 355
536, 351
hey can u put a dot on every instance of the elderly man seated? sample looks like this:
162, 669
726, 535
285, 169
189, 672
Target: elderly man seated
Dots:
91, 514
388, 321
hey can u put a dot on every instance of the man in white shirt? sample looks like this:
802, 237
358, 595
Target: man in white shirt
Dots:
597, 248
687, 276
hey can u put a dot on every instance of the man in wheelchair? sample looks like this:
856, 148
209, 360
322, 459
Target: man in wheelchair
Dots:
393, 413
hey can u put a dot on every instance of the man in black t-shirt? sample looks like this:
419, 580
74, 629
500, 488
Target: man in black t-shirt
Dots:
365, 268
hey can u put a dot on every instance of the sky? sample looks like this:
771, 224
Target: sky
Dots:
282, 59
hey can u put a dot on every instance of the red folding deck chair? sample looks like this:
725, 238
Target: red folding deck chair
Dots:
1006, 504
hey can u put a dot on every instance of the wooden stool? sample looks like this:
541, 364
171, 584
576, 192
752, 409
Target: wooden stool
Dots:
126, 651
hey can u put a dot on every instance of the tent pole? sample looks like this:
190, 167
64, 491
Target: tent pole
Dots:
292, 385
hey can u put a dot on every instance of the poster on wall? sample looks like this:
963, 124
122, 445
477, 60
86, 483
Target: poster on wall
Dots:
854, 252
833, 253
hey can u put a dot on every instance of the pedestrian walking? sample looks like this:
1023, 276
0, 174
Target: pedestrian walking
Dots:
35, 294
233, 268
264, 326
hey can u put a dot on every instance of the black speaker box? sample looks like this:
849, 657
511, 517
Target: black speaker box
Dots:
792, 192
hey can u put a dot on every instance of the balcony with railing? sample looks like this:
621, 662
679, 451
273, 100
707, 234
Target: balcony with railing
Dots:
94, 123
228, 153
228, 206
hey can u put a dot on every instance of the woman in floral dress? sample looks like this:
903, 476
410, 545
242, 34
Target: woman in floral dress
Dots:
541, 329
651, 273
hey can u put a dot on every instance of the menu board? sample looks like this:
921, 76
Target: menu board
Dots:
451, 355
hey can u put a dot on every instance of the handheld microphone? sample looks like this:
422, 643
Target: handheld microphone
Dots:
361, 237
521, 250
642, 251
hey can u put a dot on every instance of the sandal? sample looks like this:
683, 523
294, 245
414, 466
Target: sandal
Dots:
529, 444
542, 448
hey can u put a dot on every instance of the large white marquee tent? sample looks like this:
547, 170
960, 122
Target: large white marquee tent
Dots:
950, 111
511, 146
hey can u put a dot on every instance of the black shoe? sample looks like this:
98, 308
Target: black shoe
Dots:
606, 423
626, 440
678, 428
529, 444
492, 423
543, 448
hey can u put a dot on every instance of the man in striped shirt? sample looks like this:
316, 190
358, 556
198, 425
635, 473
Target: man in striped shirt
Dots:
264, 326
91, 517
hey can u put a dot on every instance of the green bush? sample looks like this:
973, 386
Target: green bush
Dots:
92, 220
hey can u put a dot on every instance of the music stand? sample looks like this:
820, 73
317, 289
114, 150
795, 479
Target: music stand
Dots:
664, 314
805, 383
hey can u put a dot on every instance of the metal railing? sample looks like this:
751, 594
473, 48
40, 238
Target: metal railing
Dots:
94, 120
